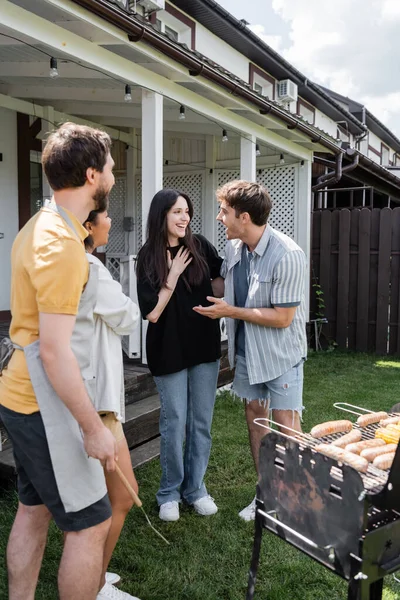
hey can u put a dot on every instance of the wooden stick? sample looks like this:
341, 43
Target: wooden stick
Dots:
128, 486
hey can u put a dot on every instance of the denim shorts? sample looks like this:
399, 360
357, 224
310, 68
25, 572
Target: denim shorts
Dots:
36, 480
283, 393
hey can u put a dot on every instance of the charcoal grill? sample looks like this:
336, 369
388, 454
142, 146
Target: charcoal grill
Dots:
346, 520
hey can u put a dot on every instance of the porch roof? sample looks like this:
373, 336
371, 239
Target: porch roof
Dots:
199, 65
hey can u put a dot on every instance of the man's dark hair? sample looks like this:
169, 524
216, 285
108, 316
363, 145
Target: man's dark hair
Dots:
245, 196
70, 151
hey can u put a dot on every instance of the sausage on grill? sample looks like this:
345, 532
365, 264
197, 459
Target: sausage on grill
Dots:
389, 421
384, 461
330, 427
348, 438
371, 453
370, 418
359, 446
356, 462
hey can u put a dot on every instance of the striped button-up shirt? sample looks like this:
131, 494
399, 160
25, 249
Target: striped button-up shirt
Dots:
276, 278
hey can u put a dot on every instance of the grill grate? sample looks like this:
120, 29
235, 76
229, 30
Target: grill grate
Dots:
374, 479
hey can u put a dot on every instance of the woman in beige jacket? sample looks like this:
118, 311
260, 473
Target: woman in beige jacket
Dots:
115, 315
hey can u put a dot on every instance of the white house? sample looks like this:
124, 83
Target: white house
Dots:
175, 98
192, 99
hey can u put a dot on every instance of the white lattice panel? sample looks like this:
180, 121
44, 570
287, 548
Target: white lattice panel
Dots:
117, 242
113, 265
138, 213
222, 178
191, 184
281, 184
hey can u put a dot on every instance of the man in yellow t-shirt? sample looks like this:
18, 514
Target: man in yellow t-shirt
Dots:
49, 272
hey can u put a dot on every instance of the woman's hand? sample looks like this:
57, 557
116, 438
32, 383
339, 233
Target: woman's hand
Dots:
180, 262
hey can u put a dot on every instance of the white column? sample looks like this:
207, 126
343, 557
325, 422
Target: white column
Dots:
152, 165
248, 158
210, 207
130, 207
302, 216
152, 151
47, 126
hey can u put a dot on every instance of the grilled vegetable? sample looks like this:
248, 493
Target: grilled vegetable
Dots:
330, 427
387, 435
370, 418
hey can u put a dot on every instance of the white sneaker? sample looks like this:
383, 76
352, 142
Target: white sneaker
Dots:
112, 578
205, 506
249, 513
169, 511
110, 592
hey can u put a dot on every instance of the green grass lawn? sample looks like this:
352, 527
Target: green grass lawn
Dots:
209, 557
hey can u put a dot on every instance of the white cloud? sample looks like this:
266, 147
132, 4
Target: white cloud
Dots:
390, 10
347, 46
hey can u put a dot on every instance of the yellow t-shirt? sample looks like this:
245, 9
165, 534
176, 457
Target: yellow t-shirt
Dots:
49, 271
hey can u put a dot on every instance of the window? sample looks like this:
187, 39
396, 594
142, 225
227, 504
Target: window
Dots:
342, 134
176, 25
261, 82
306, 111
384, 155
171, 33
163, 28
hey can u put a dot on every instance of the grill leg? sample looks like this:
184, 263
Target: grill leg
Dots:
255, 556
360, 590
354, 590
376, 590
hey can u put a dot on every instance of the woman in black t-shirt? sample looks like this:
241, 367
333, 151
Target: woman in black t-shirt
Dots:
174, 273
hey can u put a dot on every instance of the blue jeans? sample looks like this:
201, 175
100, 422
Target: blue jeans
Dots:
187, 405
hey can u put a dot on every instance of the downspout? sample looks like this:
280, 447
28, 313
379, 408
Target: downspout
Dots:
362, 136
335, 177
332, 177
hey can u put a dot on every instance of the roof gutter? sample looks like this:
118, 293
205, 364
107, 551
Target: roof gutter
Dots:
137, 31
372, 166
298, 77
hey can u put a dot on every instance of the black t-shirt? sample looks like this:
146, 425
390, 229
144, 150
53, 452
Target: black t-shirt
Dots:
182, 338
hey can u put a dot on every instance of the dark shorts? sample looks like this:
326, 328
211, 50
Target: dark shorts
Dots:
36, 481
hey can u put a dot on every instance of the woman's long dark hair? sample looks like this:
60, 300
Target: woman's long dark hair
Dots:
152, 258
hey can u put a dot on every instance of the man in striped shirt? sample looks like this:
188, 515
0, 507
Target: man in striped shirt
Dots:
264, 306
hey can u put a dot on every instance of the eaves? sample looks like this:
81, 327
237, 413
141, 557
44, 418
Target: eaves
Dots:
198, 65
234, 32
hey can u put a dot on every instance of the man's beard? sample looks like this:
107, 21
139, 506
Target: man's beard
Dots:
101, 198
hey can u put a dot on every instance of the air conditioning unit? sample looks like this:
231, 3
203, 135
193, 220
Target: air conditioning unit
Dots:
152, 5
287, 91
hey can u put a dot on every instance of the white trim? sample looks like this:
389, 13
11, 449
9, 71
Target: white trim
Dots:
36, 110
152, 151
248, 158
302, 219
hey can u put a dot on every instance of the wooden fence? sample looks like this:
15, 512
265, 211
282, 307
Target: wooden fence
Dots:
356, 266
